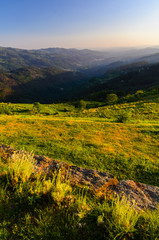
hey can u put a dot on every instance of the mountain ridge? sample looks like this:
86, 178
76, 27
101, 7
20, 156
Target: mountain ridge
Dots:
56, 74
71, 59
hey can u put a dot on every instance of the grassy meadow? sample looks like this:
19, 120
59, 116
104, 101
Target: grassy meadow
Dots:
93, 137
121, 139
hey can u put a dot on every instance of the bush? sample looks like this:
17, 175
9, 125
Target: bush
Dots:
37, 107
4, 109
139, 93
82, 104
112, 98
124, 116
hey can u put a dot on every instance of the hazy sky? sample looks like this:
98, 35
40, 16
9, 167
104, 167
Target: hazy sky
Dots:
78, 23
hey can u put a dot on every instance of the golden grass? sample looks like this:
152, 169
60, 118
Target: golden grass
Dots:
108, 137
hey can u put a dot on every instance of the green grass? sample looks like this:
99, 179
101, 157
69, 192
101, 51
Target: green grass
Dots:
48, 208
44, 208
91, 138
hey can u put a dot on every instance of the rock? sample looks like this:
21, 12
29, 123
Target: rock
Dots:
140, 195
76, 175
89, 177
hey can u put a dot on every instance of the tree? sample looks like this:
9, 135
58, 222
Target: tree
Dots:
111, 98
82, 104
37, 107
4, 93
124, 116
139, 93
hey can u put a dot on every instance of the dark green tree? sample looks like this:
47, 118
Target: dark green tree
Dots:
37, 107
82, 104
111, 98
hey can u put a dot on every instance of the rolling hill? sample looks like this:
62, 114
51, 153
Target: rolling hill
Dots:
39, 84
122, 80
70, 59
57, 74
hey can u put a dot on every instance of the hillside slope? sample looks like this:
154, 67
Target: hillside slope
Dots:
70, 59
39, 84
123, 80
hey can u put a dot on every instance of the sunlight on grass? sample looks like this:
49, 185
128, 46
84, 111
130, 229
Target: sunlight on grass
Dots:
85, 138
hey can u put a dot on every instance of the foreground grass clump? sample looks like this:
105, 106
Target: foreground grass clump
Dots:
21, 166
48, 207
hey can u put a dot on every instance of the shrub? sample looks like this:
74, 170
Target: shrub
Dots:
37, 107
4, 109
123, 116
111, 98
139, 93
82, 104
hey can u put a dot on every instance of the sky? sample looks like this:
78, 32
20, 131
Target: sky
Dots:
93, 24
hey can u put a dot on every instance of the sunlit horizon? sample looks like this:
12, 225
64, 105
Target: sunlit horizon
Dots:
90, 24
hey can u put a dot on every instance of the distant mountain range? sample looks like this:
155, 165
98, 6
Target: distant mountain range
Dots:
69, 59
52, 74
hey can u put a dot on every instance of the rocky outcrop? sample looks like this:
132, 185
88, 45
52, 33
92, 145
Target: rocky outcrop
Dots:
74, 174
89, 177
141, 196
